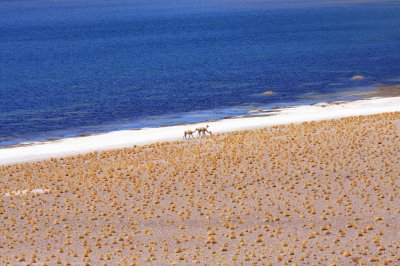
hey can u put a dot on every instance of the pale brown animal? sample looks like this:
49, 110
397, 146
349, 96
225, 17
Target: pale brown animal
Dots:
203, 130
189, 133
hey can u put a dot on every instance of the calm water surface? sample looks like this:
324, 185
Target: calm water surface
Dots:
79, 67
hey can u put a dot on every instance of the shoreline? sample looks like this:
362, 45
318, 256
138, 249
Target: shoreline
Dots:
192, 117
128, 138
367, 92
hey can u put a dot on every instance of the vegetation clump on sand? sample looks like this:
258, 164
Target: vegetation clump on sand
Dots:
300, 194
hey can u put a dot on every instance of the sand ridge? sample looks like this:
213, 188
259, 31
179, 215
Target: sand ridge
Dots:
301, 194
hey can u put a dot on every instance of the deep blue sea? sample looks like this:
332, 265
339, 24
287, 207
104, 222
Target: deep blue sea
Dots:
81, 67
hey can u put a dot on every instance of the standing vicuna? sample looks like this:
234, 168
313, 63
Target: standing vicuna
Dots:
189, 133
203, 130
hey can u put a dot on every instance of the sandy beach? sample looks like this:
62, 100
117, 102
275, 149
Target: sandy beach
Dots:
129, 138
309, 193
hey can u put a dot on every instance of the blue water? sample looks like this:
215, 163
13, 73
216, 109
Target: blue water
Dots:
82, 67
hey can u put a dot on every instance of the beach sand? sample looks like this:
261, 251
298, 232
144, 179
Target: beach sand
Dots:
323, 193
128, 138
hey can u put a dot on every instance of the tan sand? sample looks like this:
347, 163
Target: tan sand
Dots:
323, 193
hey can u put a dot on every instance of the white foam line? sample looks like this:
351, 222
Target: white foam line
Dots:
128, 138
25, 191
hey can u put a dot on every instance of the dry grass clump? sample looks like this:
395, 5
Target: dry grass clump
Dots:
313, 193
